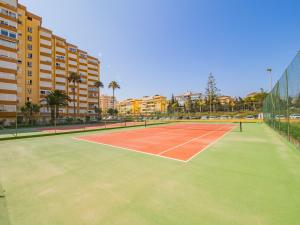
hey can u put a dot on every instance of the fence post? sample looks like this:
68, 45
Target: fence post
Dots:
287, 104
16, 121
55, 119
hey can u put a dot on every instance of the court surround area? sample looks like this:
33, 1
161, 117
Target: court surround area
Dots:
250, 177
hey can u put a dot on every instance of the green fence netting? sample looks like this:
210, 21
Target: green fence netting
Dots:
282, 105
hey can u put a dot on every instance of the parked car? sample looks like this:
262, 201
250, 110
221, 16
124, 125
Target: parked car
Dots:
295, 116
249, 117
212, 117
204, 117
223, 117
280, 116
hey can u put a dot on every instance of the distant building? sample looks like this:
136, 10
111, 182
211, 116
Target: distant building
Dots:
144, 106
181, 99
154, 104
106, 102
224, 99
129, 106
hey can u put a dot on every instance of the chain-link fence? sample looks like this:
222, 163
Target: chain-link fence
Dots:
37, 124
282, 105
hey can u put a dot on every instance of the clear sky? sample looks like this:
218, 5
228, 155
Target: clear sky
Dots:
170, 46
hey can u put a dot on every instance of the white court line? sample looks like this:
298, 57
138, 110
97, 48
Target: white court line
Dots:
193, 139
159, 155
129, 149
212, 143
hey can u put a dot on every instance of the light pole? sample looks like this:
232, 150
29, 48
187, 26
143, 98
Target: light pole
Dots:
269, 70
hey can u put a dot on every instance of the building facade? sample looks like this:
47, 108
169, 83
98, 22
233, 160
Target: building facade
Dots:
182, 98
147, 105
225, 100
8, 58
129, 106
35, 61
106, 102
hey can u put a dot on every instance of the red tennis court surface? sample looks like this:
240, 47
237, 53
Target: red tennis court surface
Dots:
180, 142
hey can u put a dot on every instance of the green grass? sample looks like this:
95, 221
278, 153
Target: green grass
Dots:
246, 178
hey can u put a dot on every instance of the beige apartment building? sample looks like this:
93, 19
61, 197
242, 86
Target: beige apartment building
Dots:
35, 61
147, 105
106, 102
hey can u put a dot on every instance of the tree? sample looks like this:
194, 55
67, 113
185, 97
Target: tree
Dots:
211, 91
170, 104
112, 111
188, 104
75, 79
200, 103
114, 85
29, 110
175, 106
99, 112
98, 84
56, 99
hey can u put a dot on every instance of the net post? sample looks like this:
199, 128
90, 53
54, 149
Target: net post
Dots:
145, 123
241, 126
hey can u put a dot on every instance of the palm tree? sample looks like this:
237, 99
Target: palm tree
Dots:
98, 84
56, 99
114, 85
29, 110
75, 79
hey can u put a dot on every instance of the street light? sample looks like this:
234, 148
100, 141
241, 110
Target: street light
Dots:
269, 70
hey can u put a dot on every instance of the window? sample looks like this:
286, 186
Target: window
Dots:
19, 61
60, 57
4, 33
8, 44
72, 49
12, 35
29, 18
44, 92
29, 29
4, 22
29, 91
29, 46
29, 82
58, 64
29, 64
29, 73
29, 38
29, 55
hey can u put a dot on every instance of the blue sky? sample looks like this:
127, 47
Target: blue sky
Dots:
164, 47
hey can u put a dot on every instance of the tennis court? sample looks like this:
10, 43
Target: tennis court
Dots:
179, 141
249, 178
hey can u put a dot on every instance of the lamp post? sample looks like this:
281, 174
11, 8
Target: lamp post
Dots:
269, 70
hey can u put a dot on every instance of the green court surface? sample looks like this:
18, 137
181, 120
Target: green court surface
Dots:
248, 178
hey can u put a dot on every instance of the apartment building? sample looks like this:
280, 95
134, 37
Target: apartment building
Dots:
107, 102
129, 106
38, 61
145, 106
153, 104
8, 59
182, 98
225, 100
